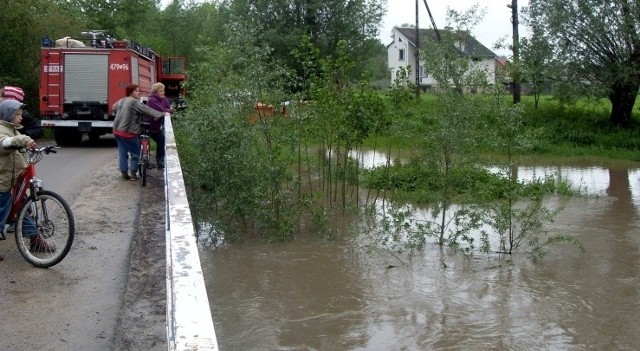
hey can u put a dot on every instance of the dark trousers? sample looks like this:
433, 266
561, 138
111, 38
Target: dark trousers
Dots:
159, 139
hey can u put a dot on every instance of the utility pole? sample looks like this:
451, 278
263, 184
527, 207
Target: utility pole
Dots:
417, 67
435, 29
516, 51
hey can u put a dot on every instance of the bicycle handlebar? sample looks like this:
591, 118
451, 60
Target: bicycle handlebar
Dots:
46, 149
35, 155
49, 149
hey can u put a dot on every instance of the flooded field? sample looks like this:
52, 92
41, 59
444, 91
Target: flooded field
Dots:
333, 295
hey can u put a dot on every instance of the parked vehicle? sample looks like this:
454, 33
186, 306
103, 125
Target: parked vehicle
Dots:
81, 79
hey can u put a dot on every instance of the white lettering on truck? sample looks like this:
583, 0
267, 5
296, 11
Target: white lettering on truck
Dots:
53, 68
119, 67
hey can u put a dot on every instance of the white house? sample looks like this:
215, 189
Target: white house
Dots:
401, 53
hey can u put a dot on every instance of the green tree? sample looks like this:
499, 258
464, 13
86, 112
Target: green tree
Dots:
599, 44
536, 61
325, 22
445, 59
21, 38
179, 29
376, 65
127, 18
450, 134
248, 150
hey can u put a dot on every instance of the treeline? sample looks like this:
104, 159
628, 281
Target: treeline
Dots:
187, 28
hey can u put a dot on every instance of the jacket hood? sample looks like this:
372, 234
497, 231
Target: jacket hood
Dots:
8, 109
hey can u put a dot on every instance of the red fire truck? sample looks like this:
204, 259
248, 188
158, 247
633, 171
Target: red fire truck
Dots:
80, 80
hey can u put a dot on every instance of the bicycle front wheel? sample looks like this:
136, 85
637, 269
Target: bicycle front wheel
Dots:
45, 229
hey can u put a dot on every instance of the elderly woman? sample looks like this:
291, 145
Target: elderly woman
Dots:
159, 102
126, 128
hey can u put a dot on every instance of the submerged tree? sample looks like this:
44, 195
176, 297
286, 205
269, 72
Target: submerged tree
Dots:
449, 135
599, 44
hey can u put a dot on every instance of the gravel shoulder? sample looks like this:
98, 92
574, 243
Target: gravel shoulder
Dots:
143, 320
109, 293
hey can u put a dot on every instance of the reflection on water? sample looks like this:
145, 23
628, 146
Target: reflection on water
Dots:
318, 295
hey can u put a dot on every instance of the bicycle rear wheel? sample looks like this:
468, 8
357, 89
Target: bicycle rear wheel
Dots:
144, 161
45, 229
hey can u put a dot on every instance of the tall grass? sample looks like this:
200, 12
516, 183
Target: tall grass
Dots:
556, 129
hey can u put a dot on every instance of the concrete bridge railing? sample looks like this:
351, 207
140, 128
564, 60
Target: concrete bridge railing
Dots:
189, 321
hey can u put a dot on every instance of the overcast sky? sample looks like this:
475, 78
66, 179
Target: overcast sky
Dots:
495, 24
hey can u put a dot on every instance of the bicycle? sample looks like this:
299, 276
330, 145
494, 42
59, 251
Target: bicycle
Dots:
42, 221
145, 152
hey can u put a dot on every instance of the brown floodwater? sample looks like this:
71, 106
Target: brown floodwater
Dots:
333, 295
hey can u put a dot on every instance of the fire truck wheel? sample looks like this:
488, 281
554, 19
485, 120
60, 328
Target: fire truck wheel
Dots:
94, 137
67, 136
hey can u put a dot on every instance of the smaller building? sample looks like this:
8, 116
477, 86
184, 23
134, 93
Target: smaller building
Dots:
402, 54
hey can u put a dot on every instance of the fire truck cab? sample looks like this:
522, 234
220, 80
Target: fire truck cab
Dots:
81, 80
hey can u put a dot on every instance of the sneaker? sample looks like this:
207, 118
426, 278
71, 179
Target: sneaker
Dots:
40, 244
125, 176
134, 176
8, 228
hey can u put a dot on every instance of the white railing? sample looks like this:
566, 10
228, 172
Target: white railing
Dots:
189, 322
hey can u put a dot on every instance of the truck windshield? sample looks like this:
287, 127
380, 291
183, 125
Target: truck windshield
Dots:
173, 65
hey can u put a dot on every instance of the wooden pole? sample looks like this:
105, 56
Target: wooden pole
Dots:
516, 52
417, 66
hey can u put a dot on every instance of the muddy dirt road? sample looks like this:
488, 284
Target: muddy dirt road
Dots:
109, 292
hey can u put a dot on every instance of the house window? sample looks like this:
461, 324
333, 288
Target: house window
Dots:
401, 55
